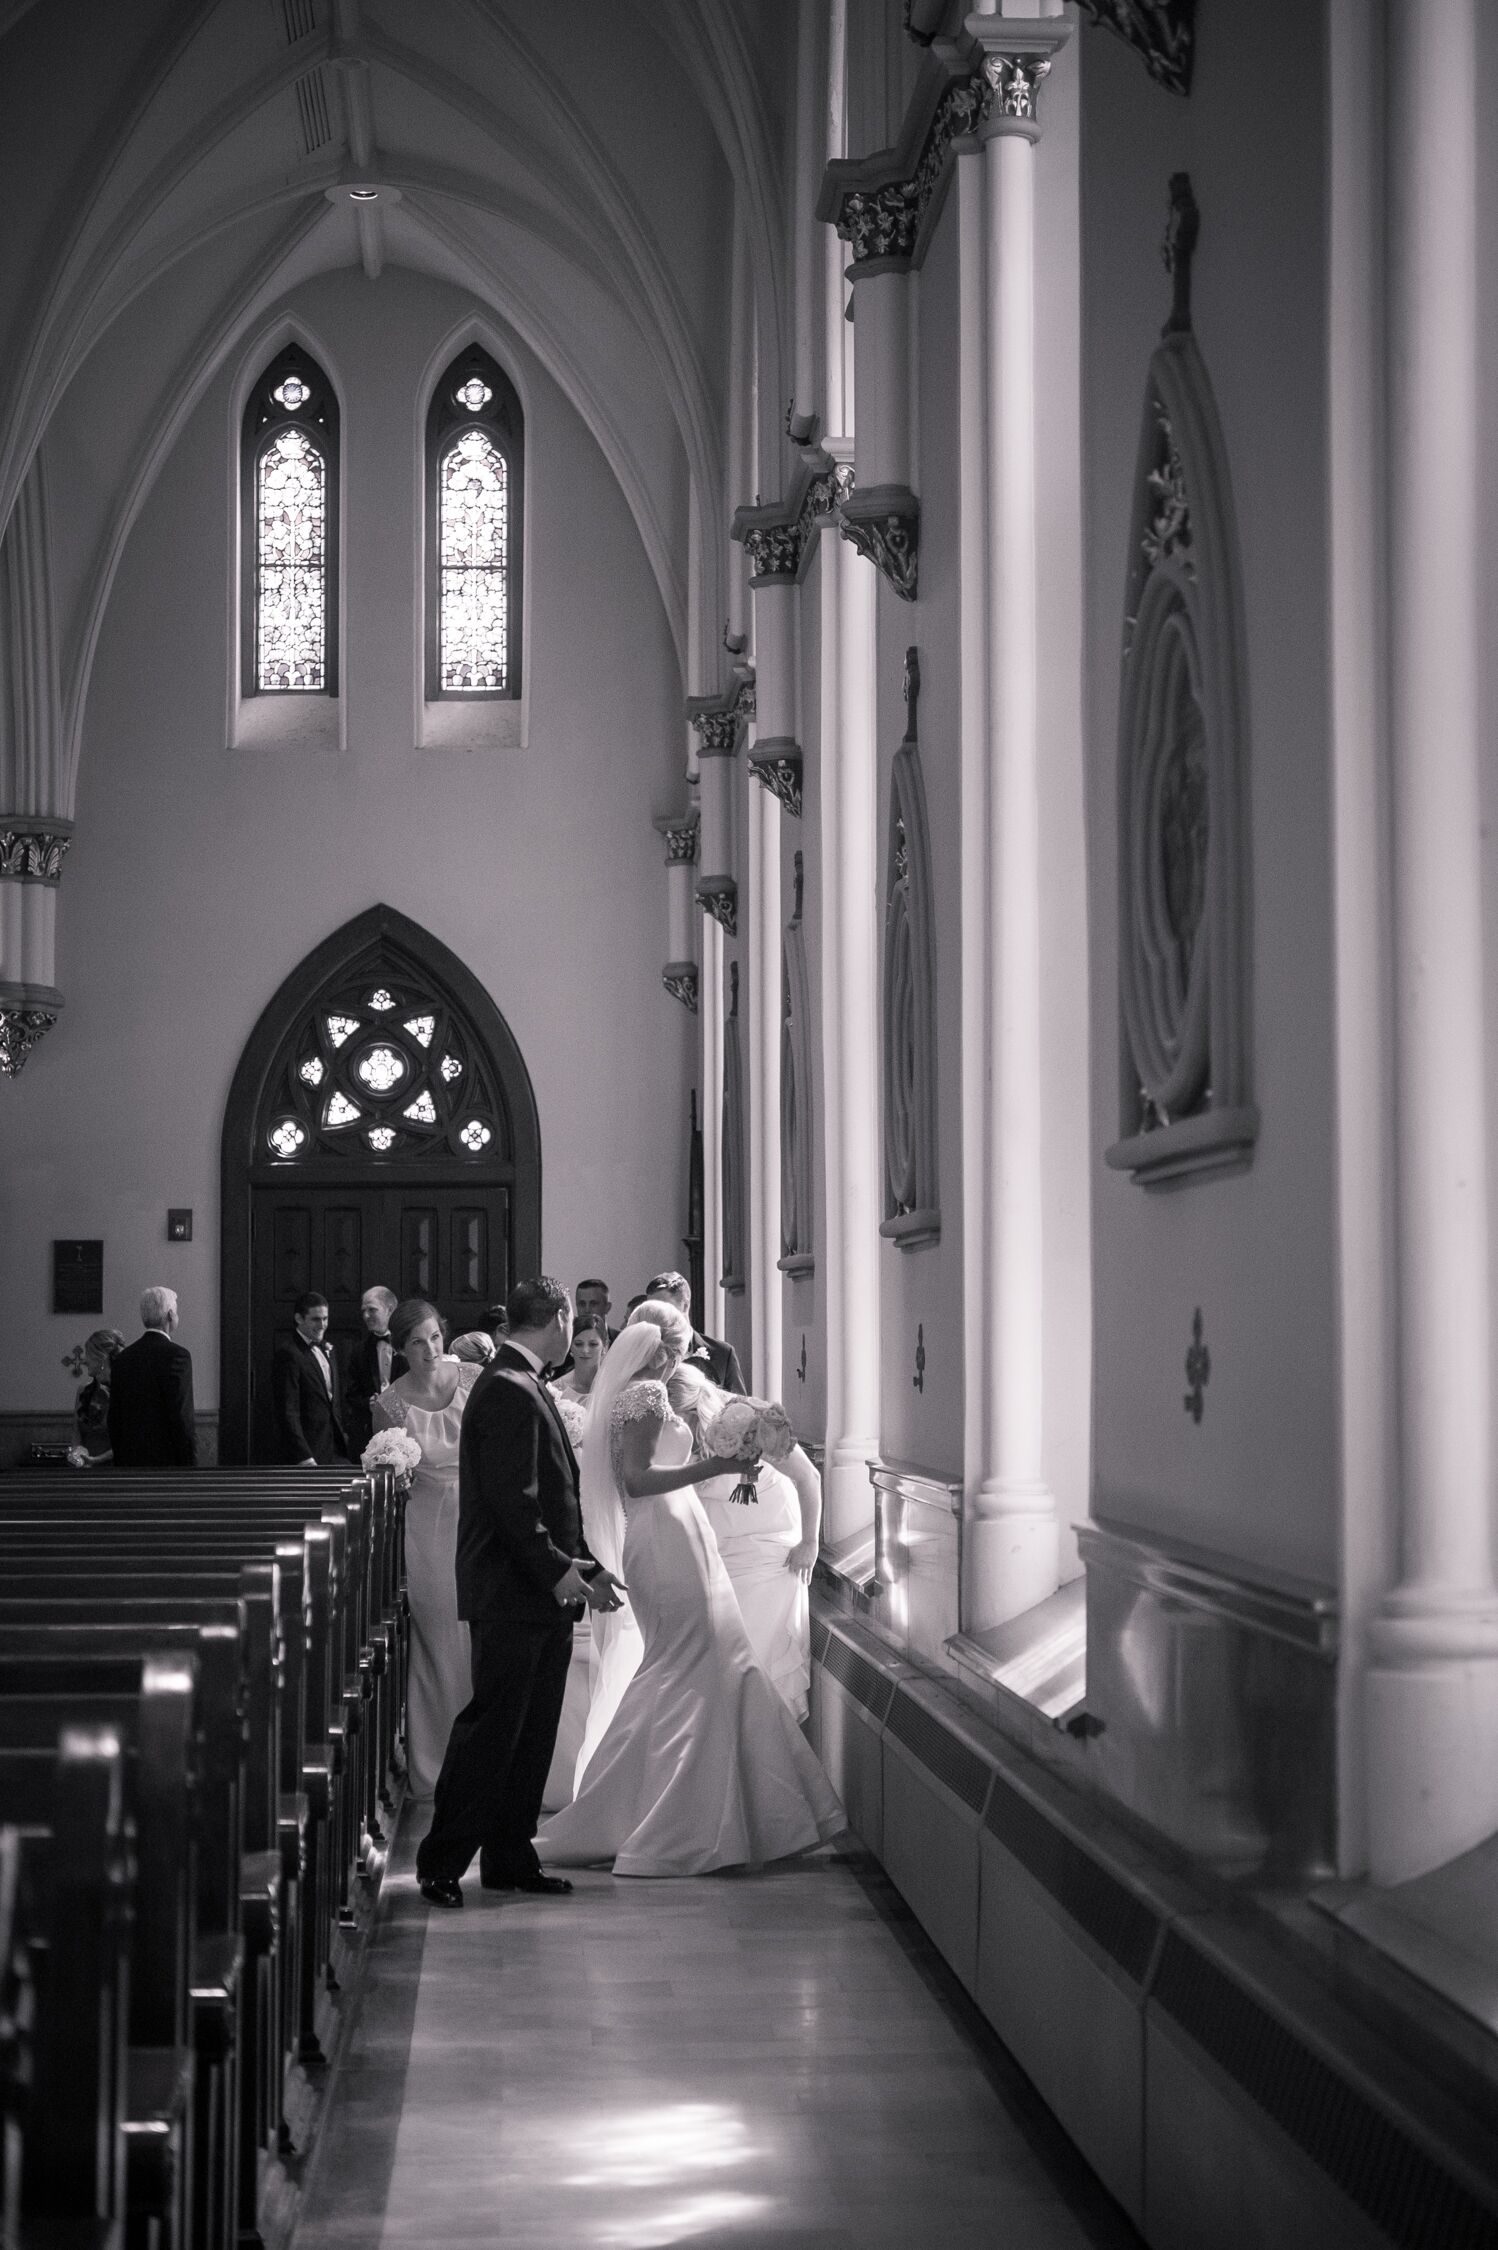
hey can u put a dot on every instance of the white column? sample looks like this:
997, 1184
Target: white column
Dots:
1433, 1677
1012, 1550
764, 1089
709, 1314
881, 304
850, 1015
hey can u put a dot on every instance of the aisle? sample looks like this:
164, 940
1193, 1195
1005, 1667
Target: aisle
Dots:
775, 2062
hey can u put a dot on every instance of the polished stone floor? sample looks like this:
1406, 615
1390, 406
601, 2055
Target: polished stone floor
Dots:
767, 2062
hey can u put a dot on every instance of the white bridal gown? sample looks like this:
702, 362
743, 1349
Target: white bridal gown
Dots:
702, 1765
754, 1542
439, 1679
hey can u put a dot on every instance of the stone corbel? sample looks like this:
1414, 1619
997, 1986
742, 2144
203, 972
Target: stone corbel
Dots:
884, 524
33, 847
680, 980
776, 764
719, 896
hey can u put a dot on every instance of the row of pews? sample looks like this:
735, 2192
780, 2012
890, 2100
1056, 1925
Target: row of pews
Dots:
202, 1678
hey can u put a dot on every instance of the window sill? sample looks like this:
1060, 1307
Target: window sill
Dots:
498, 723
1217, 1140
911, 1230
286, 722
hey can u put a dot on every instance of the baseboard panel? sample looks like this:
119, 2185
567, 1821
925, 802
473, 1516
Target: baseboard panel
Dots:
1221, 2093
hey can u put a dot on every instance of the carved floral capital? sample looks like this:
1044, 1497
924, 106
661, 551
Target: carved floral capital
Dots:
778, 766
720, 898
1015, 80
33, 852
20, 1029
681, 842
680, 980
884, 525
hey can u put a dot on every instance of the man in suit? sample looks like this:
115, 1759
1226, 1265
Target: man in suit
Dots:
373, 1362
150, 1393
306, 1394
595, 1303
717, 1360
524, 1572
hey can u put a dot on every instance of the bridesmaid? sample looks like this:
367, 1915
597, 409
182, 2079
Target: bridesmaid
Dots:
427, 1402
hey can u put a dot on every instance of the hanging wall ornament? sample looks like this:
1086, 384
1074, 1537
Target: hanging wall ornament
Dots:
1182, 752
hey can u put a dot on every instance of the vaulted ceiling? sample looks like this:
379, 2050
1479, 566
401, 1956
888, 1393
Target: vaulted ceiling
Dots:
170, 169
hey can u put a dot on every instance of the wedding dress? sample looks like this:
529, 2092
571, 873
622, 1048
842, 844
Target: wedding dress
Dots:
438, 1678
702, 1765
754, 1542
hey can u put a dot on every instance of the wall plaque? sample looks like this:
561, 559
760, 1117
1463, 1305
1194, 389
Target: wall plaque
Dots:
78, 1277
179, 1226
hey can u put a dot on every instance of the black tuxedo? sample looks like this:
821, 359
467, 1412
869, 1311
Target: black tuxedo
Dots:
150, 1405
520, 1529
718, 1361
362, 1386
309, 1417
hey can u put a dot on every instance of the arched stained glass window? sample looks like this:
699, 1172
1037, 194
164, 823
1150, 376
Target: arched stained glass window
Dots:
289, 507
475, 503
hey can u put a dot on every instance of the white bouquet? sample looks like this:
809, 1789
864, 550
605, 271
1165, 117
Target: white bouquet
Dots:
750, 1430
572, 1414
392, 1449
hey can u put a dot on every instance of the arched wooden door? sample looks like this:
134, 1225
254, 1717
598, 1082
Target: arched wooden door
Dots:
380, 1128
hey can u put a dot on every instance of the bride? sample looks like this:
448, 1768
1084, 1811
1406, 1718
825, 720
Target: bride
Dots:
702, 1765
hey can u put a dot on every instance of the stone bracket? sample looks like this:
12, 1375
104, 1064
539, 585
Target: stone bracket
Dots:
720, 897
27, 1014
884, 524
680, 980
777, 765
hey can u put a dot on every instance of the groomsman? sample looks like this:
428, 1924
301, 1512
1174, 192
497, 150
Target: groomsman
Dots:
717, 1360
594, 1303
150, 1393
373, 1362
306, 1392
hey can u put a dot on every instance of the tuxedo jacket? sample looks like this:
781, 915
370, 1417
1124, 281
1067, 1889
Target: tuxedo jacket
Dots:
361, 1387
309, 1422
520, 1522
718, 1361
150, 1405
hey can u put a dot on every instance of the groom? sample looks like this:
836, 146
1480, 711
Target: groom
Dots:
524, 1572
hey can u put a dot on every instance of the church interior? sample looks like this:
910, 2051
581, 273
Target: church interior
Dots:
1023, 946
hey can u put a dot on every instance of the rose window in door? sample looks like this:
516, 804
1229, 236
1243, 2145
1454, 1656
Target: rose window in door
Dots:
381, 1069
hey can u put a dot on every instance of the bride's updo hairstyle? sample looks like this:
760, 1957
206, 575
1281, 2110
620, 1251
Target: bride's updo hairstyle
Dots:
674, 1327
409, 1314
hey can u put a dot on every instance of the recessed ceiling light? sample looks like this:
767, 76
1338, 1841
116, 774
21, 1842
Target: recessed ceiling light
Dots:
364, 195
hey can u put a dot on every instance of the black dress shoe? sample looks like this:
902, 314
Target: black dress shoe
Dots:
442, 1890
538, 1885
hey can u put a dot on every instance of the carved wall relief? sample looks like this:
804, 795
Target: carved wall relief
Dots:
734, 1175
911, 1200
796, 1204
1182, 753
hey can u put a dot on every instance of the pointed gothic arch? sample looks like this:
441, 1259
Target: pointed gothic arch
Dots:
381, 1126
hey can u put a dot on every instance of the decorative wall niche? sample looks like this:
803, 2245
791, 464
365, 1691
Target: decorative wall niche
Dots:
796, 1202
1182, 755
733, 1171
912, 1212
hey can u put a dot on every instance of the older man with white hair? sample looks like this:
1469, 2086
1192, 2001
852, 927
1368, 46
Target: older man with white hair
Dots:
372, 1363
150, 1393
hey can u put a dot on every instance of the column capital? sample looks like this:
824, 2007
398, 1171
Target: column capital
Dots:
1015, 56
778, 535
718, 719
680, 839
33, 846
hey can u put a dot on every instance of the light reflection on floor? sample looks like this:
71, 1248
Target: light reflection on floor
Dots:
663, 2148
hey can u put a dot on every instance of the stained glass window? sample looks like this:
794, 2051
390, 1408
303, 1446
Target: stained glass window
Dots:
290, 514
380, 1068
382, 1065
475, 463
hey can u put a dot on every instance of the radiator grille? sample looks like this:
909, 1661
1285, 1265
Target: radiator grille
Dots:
312, 111
855, 1673
940, 1751
819, 1639
1096, 1901
298, 18
1376, 2165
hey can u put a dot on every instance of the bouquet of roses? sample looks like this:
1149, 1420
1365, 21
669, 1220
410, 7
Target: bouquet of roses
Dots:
750, 1430
392, 1449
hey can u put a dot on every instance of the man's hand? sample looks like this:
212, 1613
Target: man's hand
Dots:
571, 1586
603, 1591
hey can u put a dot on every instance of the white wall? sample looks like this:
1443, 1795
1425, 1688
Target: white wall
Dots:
200, 876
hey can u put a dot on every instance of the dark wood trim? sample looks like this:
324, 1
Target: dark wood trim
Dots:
433, 963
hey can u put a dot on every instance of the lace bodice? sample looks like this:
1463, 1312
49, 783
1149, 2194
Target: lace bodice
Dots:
645, 1402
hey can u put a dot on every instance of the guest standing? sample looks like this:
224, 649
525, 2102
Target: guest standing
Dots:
594, 1303
590, 1340
150, 1393
91, 1407
373, 1362
427, 1401
306, 1393
718, 1361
